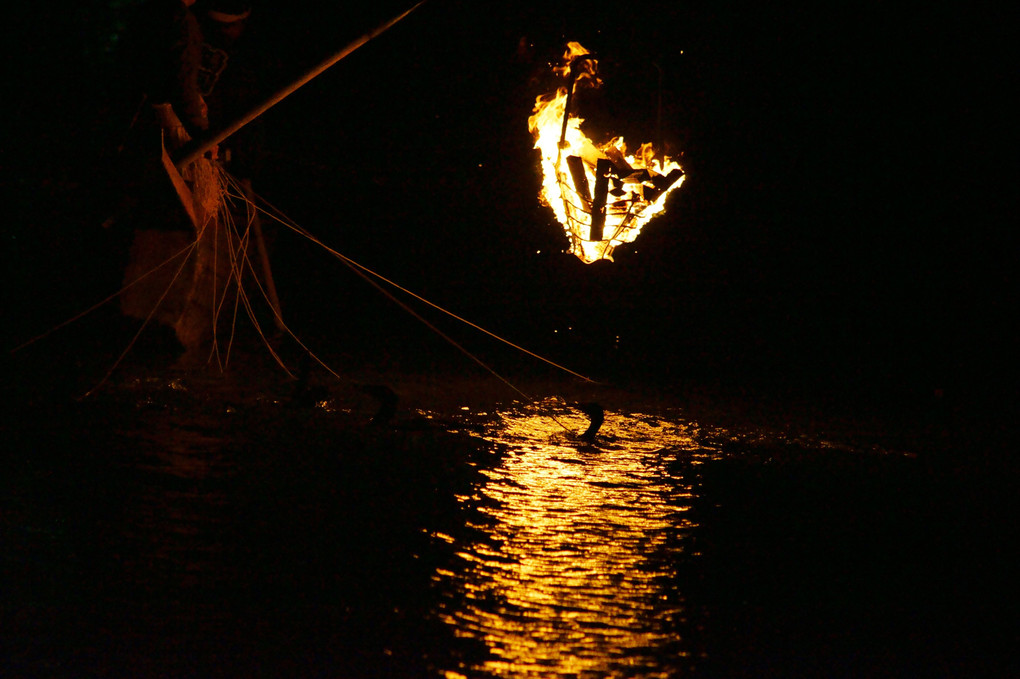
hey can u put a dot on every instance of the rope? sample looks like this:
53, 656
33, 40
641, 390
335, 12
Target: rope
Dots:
148, 318
186, 250
364, 273
347, 260
238, 272
236, 250
279, 319
239, 260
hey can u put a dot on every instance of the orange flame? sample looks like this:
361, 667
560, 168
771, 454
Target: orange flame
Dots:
601, 195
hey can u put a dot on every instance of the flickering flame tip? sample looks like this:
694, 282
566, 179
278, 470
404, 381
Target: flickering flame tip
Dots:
580, 175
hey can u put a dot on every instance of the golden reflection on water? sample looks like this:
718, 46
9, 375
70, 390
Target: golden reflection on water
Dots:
573, 574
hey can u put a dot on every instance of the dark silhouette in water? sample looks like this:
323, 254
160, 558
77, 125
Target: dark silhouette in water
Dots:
307, 395
597, 414
387, 399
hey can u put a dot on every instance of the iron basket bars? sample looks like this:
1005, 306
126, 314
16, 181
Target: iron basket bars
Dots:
632, 189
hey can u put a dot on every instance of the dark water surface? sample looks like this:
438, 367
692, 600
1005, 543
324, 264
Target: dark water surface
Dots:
169, 529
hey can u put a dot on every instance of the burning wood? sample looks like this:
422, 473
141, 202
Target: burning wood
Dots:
572, 164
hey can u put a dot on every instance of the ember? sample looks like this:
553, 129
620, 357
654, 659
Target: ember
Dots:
601, 195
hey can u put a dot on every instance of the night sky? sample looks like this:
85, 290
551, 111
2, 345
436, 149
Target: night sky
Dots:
850, 184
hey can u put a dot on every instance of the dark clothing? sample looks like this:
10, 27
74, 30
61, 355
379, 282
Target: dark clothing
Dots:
165, 53
231, 81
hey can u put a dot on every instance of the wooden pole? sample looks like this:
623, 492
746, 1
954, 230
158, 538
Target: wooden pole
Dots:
195, 150
598, 201
571, 78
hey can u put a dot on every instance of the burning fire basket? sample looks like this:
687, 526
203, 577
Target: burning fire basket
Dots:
601, 195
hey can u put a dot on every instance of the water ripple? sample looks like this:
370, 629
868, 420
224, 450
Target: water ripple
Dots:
564, 570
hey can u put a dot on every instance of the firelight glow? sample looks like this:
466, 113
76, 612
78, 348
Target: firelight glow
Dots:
562, 574
601, 195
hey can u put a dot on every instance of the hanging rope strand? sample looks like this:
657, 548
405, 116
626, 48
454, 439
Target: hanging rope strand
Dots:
239, 266
186, 250
361, 272
364, 273
283, 219
276, 313
145, 323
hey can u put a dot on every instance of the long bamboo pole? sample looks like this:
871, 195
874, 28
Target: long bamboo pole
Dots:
196, 149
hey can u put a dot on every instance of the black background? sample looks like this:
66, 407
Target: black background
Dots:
844, 222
